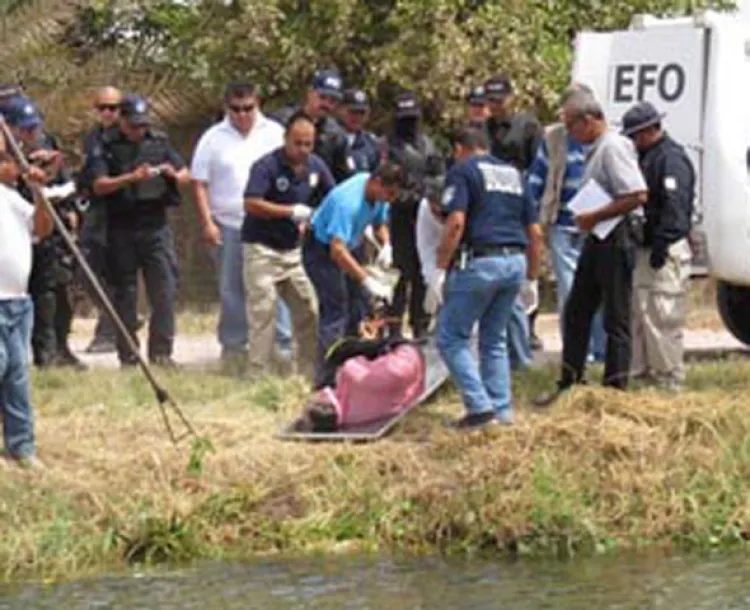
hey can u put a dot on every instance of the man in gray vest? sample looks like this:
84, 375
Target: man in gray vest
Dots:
553, 180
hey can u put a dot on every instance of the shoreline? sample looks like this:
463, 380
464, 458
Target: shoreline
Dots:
601, 472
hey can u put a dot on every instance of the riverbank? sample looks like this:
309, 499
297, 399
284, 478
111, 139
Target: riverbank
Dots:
601, 471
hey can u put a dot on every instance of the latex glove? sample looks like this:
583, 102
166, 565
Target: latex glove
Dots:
301, 212
60, 191
434, 297
385, 256
529, 296
378, 289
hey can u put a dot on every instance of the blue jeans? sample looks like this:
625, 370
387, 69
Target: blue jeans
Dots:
16, 317
565, 245
519, 345
484, 292
341, 302
233, 325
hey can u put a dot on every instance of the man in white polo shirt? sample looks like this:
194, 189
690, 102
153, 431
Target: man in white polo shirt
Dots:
220, 170
19, 223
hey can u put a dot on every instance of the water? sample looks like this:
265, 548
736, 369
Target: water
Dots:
693, 583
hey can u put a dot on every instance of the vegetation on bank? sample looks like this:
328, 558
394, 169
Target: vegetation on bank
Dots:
600, 471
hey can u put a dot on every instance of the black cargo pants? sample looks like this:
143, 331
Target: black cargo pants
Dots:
149, 251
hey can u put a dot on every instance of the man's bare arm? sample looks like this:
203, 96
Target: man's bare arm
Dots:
452, 234
345, 261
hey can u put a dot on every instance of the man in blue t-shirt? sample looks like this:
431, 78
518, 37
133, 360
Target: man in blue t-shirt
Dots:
336, 231
278, 195
491, 246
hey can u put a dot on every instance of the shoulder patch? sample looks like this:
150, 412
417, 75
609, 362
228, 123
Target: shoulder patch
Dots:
670, 183
314, 179
448, 195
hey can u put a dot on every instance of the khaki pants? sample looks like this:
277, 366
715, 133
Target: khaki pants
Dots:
269, 274
659, 310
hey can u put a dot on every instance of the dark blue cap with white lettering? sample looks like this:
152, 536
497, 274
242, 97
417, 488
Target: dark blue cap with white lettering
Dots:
134, 109
498, 87
639, 117
407, 106
356, 99
328, 82
20, 112
477, 96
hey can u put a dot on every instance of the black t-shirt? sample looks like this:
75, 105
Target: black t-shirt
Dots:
144, 204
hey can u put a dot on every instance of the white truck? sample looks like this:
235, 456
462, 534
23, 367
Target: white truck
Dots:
697, 70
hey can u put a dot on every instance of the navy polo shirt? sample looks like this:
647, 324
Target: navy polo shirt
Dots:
274, 180
492, 194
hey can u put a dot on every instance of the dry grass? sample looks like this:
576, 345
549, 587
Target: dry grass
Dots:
601, 470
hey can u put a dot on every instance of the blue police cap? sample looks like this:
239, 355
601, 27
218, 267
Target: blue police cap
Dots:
356, 99
498, 87
477, 96
20, 112
407, 106
639, 117
328, 82
134, 109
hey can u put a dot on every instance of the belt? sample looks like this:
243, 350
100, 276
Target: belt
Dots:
483, 251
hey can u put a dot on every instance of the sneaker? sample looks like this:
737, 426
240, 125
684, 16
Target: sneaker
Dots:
504, 416
101, 345
473, 421
165, 362
30, 462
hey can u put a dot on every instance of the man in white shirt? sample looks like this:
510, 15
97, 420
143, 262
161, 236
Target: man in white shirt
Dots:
19, 223
220, 169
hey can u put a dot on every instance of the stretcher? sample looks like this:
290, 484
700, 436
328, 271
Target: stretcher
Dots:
436, 374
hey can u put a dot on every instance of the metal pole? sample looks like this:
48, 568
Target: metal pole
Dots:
162, 396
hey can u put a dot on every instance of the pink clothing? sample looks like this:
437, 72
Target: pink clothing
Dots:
369, 390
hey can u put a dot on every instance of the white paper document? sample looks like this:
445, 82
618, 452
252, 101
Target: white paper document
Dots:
590, 197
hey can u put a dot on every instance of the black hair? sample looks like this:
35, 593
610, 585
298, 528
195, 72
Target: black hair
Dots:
472, 138
390, 174
298, 117
237, 89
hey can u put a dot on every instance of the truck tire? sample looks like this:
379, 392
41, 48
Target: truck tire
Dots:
734, 308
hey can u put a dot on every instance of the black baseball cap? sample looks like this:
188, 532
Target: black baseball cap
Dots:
477, 96
407, 106
498, 87
328, 82
639, 117
134, 108
356, 99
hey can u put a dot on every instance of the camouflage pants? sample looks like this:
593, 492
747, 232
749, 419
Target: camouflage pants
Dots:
659, 311
270, 274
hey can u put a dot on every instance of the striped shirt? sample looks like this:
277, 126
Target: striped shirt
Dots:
574, 166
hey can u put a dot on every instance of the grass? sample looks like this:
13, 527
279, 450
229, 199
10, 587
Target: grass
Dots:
600, 471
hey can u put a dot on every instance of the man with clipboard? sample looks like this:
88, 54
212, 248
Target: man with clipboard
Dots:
613, 187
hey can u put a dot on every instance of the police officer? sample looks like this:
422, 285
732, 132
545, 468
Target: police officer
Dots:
320, 104
138, 172
282, 185
477, 110
663, 255
489, 249
409, 147
362, 152
7, 92
53, 264
514, 138
94, 234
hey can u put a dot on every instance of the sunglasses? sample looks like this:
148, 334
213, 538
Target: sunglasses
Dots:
108, 107
247, 108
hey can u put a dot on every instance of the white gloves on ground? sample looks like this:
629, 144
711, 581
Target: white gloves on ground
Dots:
434, 297
378, 289
301, 212
529, 296
385, 256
